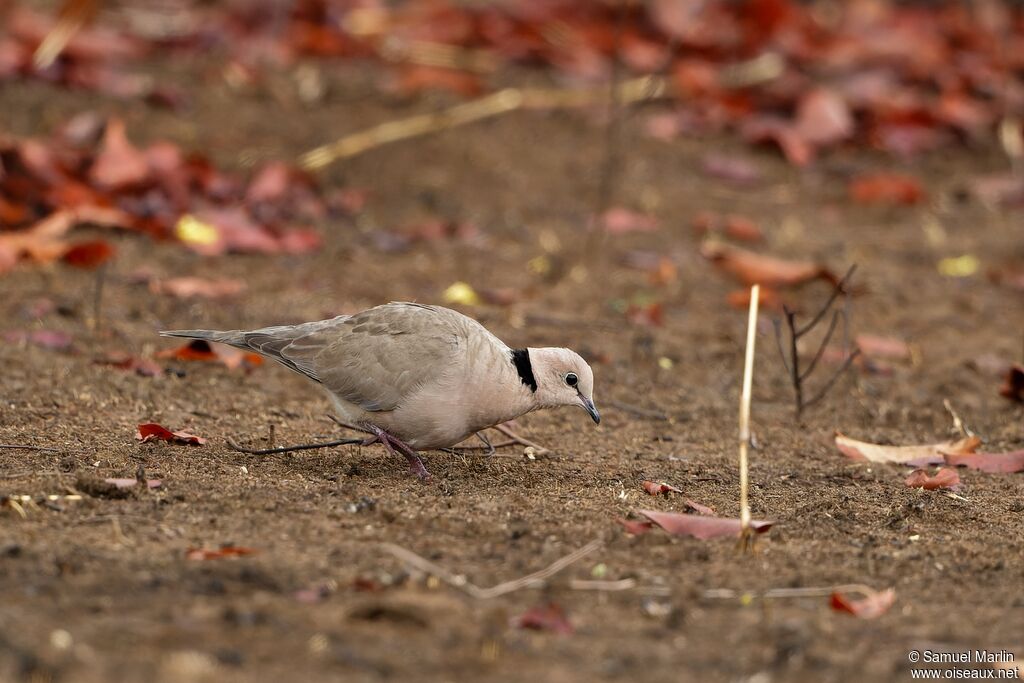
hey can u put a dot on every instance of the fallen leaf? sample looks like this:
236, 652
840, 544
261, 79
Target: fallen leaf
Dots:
886, 188
751, 268
646, 315
823, 117
129, 483
699, 509
197, 287
872, 606
620, 221
959, 266
701, 526
767, 298
461, 293
140, 366
119, 164
154, 432
201, 350
987, 462
47, 339
1013, 385
929, 454
735, 169
944, 478
883, 347
199, 554
547, 617
656, 487
635, 526
88, 254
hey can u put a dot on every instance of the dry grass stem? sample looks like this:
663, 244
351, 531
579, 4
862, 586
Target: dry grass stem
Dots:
535, 580
746, 534
501, 102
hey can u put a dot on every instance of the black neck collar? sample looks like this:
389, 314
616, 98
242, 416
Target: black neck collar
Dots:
521, 359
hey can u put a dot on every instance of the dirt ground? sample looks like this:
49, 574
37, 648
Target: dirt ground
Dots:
101, 589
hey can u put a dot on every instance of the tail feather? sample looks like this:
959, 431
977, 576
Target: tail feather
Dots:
230, 337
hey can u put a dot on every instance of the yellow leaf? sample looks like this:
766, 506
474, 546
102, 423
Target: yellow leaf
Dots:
461, 293
191, 230
960, 266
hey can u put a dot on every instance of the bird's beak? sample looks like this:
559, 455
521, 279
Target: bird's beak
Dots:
589, 406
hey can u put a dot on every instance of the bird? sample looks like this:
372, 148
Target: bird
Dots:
417, 376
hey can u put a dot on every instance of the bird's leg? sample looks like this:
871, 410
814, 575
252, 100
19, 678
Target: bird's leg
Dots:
487, 442
392, 443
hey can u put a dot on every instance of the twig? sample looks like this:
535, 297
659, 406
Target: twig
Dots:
501, 102
958, 424
585, 585
289, 449
780, 593
637, 410
746, 534
540, 450
29, 448
840, 288
791, 360
534, 580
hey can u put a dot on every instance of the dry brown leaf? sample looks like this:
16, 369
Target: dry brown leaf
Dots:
928, 454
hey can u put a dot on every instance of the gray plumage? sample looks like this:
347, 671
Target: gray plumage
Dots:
426, 375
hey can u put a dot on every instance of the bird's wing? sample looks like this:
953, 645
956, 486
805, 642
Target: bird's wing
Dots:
373, 359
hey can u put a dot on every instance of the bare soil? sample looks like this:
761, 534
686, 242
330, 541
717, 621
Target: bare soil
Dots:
101, 589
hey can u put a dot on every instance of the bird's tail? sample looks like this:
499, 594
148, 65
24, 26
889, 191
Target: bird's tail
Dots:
231, 337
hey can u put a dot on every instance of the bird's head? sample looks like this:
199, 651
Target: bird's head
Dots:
563, 379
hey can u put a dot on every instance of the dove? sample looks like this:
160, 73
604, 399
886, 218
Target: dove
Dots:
418, 377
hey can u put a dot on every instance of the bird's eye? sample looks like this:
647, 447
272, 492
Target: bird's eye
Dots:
571, 379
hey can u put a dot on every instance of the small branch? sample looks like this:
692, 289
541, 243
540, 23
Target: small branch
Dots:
289, 449
821, 348
781, 593
958, 424
777, 325
840, 288
520, 440
29, 448
535, 580
501, 102
832, 380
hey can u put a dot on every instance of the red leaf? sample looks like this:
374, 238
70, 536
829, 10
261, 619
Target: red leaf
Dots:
636, 527
883, 347
47, 339
874, 605
1013, 385
930, 454
119, 164
988, 462
200, 350
823, 118
945, 478
650, 315
735, 169
199, 554
766, 297
89, 254
699, 509
415, 78
549, 617
751, 268
886, 188
153, 432
620, 221
701, 526
655, 488
140, 366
